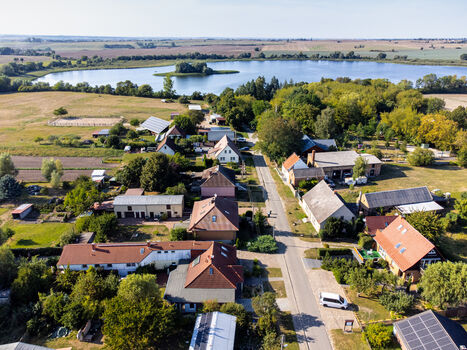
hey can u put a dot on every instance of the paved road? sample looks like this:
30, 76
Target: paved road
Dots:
310, 329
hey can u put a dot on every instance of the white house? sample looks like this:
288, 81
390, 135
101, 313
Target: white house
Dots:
225, 151
167, 146
127, 257
148, 206
320, 203
293, 162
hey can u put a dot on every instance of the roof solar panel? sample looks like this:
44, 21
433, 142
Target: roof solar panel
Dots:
438, 334
423, 332
434, 328
427, 339
426, 317
443, 340
414, 343
415, 320
410, 336
404, 325
449, 347
431, 346
431, 322
418, 348
418, 327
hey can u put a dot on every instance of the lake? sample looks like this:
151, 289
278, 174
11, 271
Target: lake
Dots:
308, 71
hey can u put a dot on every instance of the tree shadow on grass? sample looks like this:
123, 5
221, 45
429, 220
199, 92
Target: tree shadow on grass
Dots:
26, 242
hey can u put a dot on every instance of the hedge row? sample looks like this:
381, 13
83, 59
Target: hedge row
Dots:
27, 252
333, 252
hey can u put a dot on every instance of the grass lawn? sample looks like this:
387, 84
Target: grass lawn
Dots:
368, 309
24, 116
454, 246
293, 211
274, 272
348, 341
448, 178
37, 235
70, 341
146, 232
311, 253
287, 328
277, 287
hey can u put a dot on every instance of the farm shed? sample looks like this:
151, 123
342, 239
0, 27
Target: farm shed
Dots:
22, 211
103, 132
155, 125
214, 330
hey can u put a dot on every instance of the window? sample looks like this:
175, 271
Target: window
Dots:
211, 271
141, 251
399, 227
372, 165
172, 251
130, 208
192, 306
130, 264
222, 159
398, 245
97, 265
404, 231
214, 218
232, 158
224, 255
159, 252
166, 252
403, 250
84, 265
168, 206
224, 248
195, 262
109, 265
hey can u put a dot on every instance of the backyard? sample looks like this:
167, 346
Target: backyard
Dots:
35, 236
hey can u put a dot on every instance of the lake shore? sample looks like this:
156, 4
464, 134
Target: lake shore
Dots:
194, 74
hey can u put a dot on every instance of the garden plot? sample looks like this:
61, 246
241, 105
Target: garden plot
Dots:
84, 121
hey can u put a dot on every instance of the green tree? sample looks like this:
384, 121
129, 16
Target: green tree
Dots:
55, 178
379, 336
118, 129
461, 207
9, 187
443, 284
66, 280
8, 268
49, 165
60, 111
33, 277
334, 227
157, 173
462, 157
210, 306
7, 167
82, 196
428, 223
137, 287
265, 304
362, 281
134, 122
177, 189
271, 342
104, 226
169, 91
325, 126
130, 174
53, 305
359, 169
421, 157
399, 301
5, 234
113, 141
278, 137
178, 234
238, 311
186, 123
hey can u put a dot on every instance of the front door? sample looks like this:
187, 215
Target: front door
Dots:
169, 214
143, 215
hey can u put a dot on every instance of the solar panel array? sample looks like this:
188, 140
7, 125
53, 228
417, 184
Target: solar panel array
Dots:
425, 332
155, 124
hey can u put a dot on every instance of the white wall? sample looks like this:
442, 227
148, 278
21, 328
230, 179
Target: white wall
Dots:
228, 155
175, 209
167, 150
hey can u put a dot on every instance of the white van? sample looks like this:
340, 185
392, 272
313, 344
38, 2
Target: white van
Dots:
333, 300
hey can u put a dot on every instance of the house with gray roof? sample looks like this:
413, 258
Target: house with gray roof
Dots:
337, 165
406, 200
150, 206
298, 175
318, 145
321, 202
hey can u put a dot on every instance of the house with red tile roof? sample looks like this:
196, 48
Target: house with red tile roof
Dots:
167, 146
215, 218
293, 162
214, 275
125, 258
376, 223
406, 250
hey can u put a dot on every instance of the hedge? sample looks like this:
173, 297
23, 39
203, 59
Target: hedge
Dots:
333, 252
47, 251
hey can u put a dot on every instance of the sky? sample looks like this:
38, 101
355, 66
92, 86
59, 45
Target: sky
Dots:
238, 18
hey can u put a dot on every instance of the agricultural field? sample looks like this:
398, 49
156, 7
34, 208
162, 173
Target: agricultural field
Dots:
24, 116
11, 58
452, 100
35, 175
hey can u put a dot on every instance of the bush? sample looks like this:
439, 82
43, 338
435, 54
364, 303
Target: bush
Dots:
322, 252
451, 220
69, 237
338, 275
28, 252
9, 187
421, 157
178, 234
379, 336
263, 244
134, 122
398, 302
365, 241
376, 152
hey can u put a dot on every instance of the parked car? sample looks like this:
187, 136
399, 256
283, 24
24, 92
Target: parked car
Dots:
330, 183
333, 300
241, 139
358, 181
244, 148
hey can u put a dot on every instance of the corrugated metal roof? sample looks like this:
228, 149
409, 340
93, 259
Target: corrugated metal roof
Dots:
425, 206
156, 125
21, 208
148, 200
398, 197
214, 330
342, 158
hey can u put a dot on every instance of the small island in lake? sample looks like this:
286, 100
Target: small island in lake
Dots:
194, 69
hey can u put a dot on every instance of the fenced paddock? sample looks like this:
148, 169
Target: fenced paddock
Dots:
85, 121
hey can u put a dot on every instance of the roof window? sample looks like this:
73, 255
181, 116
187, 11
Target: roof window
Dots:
214, 218
224, 248
404, 231
224, 255
399, 227
398, 245
403, 250
141, 251
196, 261
211, 271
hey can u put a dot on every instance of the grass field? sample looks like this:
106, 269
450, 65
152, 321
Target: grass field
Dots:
35, 236
368, 309
348, 341
24, 116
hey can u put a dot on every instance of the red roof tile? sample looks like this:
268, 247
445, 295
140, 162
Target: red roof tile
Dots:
215, 214
375, 223
403, 243
289, 162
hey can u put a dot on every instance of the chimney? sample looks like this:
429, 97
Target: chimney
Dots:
313, 157
148, 243
93, 246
